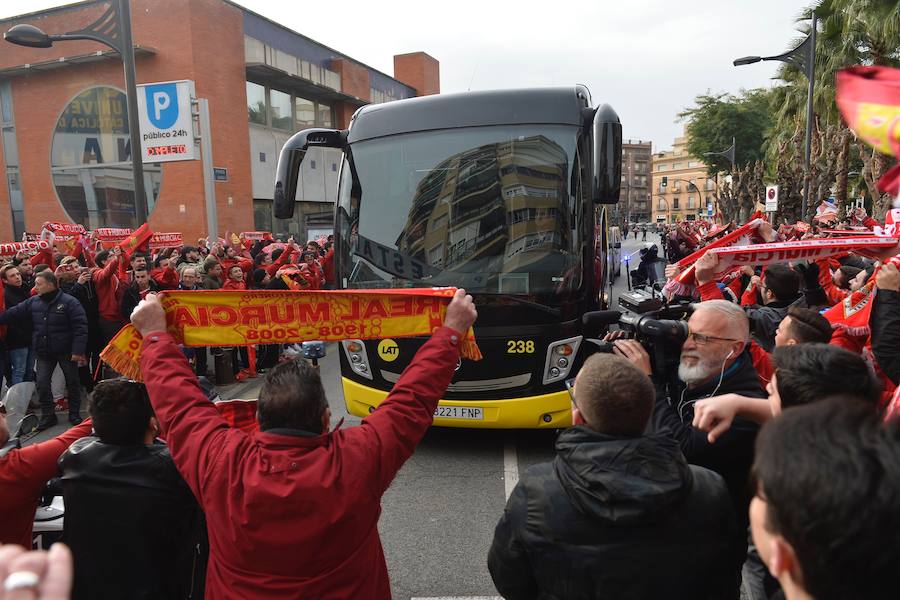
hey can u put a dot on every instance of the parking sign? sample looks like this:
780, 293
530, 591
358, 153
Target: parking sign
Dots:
167, 128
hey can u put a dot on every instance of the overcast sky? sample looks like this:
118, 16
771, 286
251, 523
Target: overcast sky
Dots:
647, 58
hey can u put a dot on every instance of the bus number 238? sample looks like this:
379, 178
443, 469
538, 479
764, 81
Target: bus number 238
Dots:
519, 347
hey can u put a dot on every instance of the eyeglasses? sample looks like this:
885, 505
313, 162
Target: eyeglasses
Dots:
702, 339
570, 385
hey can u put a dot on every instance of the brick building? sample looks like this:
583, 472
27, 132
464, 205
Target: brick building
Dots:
634, 194
688, 190
64, 125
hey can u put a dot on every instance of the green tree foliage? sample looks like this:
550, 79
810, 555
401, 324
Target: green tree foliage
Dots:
717, 118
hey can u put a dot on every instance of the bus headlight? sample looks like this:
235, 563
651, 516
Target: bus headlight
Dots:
560, 356
355, 351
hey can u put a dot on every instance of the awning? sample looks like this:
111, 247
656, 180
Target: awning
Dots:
71, 61
282, 80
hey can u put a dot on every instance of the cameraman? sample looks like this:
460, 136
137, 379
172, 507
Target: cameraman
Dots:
714, 361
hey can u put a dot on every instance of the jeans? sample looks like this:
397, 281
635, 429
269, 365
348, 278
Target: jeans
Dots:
45, 366
18, 361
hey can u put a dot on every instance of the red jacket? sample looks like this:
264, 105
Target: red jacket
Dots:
166, 279
106, 284
23, 474
233, 284
289, 514
328, 266
762, 362
832, 292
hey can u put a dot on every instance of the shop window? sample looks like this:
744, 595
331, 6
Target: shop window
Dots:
91, 161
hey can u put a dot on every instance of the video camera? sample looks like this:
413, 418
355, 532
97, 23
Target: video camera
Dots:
660, 328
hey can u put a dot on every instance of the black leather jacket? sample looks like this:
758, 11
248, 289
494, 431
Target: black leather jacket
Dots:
134, 527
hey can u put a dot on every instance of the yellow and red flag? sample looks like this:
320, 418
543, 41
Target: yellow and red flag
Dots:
139, 238
869, 100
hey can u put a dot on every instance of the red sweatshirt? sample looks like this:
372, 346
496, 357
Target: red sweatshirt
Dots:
23, 474
106, 284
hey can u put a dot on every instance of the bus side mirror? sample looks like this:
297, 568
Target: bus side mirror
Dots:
289, 161
607, 156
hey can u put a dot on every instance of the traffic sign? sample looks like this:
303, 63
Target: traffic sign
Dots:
771, 198
167, 127
220, 174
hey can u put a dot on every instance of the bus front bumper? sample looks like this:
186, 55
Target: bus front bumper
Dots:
547, 411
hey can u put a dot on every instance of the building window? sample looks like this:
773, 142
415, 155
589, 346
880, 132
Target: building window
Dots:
262, 215
661, 205
90, 161
256, 103
675, 203
690, 202
305, 113
280, 105
323, 116
710, 184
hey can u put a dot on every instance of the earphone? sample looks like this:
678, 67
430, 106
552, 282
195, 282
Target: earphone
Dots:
683, 404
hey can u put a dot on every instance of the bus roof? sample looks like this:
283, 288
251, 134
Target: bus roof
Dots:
558, 106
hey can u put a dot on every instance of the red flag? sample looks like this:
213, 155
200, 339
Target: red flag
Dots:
139, 239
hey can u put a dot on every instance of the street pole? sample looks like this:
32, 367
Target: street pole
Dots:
134, 128
810, 73
209, 184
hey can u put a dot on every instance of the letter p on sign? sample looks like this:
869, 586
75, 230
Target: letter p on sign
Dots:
161, 101
162, 104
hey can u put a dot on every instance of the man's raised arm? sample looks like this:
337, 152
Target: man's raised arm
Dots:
190, 423
402, 419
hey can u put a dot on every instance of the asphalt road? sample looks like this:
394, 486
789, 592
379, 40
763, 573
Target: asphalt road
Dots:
438, 516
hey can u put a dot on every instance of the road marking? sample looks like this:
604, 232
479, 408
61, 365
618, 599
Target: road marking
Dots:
510, 464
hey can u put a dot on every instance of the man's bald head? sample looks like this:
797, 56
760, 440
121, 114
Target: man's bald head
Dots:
614, 396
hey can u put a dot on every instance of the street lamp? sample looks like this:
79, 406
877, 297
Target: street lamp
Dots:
112, 29
804, 58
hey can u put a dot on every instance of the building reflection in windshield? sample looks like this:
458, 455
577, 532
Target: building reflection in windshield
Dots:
499, 210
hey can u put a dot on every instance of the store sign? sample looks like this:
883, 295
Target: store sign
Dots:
167, 128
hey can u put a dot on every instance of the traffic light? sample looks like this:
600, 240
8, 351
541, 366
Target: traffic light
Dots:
665, 181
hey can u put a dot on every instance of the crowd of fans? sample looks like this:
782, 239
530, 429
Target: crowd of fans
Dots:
62, 310
770, 463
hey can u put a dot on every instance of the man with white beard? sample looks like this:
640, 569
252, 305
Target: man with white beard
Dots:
714, 361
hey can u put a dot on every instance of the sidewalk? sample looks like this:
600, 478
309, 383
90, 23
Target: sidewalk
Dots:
244, 390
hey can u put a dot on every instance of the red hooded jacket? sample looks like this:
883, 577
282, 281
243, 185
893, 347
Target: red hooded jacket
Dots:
292, 514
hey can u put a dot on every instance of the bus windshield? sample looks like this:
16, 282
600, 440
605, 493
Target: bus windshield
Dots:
496, 210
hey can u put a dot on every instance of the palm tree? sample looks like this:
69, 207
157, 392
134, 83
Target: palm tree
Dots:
850, 32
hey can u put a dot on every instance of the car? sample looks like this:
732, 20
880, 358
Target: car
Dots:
614, 253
